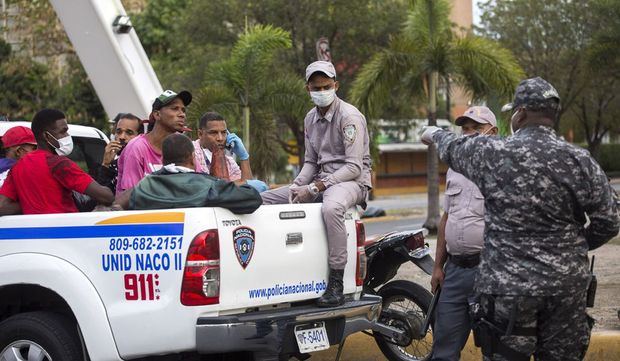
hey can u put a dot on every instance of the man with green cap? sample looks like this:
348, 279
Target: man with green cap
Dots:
142, 155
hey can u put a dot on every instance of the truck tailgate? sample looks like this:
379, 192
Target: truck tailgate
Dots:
277, 254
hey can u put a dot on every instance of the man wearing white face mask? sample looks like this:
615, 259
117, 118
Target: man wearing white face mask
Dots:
459, 242
42, 181
336, 168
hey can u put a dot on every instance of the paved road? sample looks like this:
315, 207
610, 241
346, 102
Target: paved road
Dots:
392, 224
416, 201
604, 346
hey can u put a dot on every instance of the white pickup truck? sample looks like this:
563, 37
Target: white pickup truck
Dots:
184, 282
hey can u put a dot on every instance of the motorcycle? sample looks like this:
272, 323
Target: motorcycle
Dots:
401, 332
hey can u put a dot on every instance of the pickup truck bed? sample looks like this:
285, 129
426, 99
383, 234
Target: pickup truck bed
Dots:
204, 280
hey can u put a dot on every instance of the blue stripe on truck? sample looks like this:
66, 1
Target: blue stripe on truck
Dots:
120, 230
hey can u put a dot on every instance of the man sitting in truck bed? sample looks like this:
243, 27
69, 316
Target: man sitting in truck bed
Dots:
142, 155
41, 182
177, 185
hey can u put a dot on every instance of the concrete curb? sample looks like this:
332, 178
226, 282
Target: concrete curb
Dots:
604, 346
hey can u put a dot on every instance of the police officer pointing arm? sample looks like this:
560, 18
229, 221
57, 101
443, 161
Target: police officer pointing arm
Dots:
538, 190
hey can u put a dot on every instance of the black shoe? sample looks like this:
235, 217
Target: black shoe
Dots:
333, 294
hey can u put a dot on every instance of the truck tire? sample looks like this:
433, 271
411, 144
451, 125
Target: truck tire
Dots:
41, 336
416, 301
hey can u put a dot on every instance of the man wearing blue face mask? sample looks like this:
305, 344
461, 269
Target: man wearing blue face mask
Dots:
42, 181
336, 168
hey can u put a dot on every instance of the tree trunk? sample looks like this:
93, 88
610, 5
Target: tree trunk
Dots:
594, 147
246, 127
432, 169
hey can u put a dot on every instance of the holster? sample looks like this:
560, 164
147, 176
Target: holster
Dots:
488, 332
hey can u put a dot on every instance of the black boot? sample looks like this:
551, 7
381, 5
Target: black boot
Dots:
333, 294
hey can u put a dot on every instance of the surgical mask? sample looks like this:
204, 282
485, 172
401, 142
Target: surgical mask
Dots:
487, 131
65, 145
323, 98
512, 130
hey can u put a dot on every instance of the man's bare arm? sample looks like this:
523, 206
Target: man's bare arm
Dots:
101, 194
9, 206
122, 199
441, 254
246, 171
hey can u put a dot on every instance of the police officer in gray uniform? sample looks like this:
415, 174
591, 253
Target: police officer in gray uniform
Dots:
539, 192
336, 168
459, 242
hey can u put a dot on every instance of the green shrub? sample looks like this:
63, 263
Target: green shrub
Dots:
609, 157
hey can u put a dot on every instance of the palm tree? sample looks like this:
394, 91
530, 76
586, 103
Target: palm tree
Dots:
250, 86
426, 50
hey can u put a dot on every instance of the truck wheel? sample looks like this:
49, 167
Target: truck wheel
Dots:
39, 336
411, 301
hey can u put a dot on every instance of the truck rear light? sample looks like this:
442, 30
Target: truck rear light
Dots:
361, 264
201, 277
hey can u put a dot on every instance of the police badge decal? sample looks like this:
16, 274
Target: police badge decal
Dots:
349, 132
243, 241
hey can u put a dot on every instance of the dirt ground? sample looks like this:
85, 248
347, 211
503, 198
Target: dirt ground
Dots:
606, 268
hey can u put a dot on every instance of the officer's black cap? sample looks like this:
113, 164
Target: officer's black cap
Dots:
534, 94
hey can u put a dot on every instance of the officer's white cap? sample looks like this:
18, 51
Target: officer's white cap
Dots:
478, 114
324, 67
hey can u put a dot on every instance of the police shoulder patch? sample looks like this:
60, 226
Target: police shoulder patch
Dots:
350, 132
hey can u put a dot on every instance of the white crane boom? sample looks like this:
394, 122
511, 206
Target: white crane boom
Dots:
112, 55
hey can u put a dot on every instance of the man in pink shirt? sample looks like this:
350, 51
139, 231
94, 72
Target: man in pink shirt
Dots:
142, 155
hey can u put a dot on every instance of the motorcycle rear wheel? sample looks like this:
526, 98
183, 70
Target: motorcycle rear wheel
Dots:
412, 299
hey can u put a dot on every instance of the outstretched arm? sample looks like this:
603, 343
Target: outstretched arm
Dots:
9, 206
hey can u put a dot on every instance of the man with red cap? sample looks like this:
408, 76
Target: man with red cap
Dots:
17, 142
43, 180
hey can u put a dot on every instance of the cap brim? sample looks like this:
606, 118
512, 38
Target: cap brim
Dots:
331, 76
185, 96
463, 118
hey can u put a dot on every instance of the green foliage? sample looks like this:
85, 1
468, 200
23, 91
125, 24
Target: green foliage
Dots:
157, 24
77, 98
425, 45
43, 71
26, 87
548, 37
608, 157
5, 51
574, 46
425, 51
604, 50
245, 79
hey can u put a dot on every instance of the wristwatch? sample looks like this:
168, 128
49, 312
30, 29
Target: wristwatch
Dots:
313, 188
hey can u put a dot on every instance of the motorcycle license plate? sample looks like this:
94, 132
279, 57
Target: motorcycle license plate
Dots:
311, 337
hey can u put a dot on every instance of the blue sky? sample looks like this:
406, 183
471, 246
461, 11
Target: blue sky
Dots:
476, 12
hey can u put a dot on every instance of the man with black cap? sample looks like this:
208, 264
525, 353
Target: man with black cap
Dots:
142, 155
459, 242
336, 169
540, 192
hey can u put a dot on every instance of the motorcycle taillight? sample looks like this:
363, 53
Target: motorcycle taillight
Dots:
415, 241
361, 264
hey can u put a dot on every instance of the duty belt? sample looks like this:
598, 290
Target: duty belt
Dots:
465, 260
